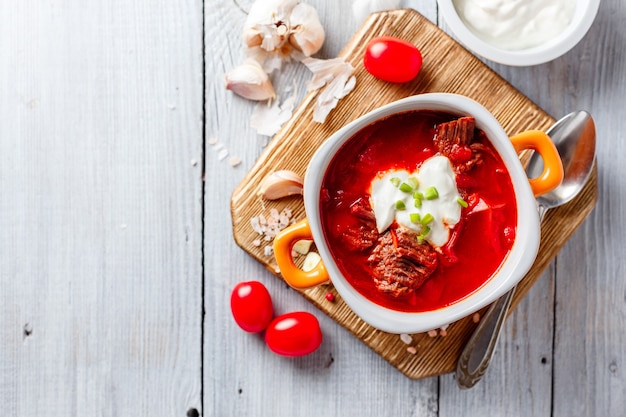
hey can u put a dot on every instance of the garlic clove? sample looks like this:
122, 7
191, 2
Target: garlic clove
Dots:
281, 184
310, 261
250, 81
307, 32
303, 246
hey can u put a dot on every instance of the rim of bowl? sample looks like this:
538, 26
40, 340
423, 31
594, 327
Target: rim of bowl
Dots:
584, 15
518, 261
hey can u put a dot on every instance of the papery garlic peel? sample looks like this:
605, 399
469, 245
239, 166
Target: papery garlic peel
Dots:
281, 184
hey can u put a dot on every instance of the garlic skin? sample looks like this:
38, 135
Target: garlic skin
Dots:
250, 81
336, 75
281, 184
268, 118
279, 30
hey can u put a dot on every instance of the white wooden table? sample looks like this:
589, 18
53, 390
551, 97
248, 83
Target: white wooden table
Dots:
116, 251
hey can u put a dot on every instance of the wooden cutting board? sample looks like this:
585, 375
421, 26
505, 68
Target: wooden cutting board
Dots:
447, 67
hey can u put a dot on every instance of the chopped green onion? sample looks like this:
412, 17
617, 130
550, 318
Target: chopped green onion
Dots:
415, 217
413, 182
462, 202
395, 181
431, 193
418, 199
427, 218
406, 187
422, 236
409, 185
400, 205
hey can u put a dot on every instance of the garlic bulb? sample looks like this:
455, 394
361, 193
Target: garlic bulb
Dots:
279, 30
250, 81
281, 184
276, 31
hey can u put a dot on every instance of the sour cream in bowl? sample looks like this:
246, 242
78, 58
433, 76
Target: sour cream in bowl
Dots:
519, 32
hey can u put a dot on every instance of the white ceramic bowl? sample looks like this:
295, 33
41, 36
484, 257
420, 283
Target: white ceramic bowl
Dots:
582, 19
518, 262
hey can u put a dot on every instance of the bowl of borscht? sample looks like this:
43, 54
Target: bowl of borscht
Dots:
421, 212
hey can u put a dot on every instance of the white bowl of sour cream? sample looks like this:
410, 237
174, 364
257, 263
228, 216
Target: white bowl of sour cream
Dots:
519, 32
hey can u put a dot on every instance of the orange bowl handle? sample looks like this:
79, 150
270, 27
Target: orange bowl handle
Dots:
294, 276
540, 142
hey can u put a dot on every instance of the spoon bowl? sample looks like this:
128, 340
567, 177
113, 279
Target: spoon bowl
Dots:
575, 140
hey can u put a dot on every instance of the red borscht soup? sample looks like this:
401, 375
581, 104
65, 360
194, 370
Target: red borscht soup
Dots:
398, 267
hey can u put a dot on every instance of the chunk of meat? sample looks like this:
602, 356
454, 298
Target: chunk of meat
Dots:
359, 237
401, 263
363, 235
362, 209
454, 140
456, 132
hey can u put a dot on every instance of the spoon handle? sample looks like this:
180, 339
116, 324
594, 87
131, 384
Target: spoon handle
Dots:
477, 354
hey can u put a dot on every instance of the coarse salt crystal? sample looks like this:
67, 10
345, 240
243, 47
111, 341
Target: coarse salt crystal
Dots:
411, 350
234, 161
212, 141
432, 333
256, 225
476, 317
223, 153
269, 227
406, 338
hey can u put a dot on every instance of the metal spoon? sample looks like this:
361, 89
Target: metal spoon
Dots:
575, 138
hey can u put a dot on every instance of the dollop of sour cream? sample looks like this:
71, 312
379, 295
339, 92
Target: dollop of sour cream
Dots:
516, 24
391, 200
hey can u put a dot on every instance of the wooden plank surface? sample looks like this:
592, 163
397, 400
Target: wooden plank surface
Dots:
521, 375
457, 71
102, 308
101, 243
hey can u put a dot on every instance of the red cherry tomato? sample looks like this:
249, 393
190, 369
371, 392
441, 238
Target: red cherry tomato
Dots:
251, 305
294, 334
392, 59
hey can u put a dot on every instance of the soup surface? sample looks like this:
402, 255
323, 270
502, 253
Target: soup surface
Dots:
402, 267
